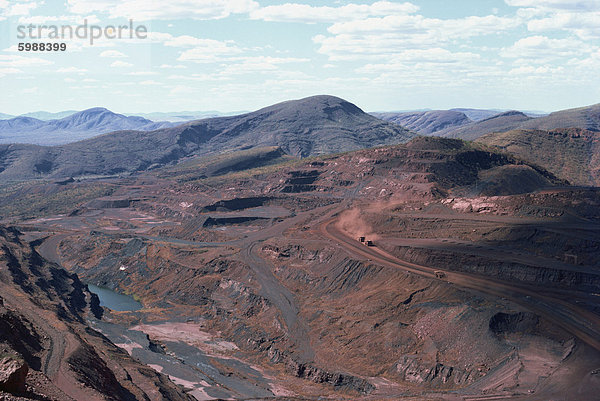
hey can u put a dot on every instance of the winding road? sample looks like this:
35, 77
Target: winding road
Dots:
578, 321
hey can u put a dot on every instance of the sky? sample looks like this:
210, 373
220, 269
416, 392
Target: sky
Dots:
233, 55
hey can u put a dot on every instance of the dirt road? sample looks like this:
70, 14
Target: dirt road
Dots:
578, 321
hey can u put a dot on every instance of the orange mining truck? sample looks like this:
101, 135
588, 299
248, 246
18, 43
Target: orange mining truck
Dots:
369, 243
361, 239
439, 274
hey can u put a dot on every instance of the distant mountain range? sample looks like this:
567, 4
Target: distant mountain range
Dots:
587, 118
45, 128
311, 126
458, 123
468, 124
81, 125
563, 142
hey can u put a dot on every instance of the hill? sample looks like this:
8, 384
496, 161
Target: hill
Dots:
498, 123
76, 126
426, 122
477, 114
587, 118
572, 154
45, 115
311, 126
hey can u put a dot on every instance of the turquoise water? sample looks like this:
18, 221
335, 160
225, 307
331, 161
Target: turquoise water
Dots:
113, 300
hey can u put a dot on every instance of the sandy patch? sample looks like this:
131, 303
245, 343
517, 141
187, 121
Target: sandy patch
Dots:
158, 368
183, 382
129, 347
189, 333
200, 395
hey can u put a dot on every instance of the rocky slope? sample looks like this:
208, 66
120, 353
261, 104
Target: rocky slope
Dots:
572, 154
47, 349
306, 127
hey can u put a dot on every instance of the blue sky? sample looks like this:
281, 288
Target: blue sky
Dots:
230, 55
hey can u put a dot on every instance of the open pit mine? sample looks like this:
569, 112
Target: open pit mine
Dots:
433, 270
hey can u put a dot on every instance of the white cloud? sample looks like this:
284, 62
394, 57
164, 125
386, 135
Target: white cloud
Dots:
15, 61
56, 19
441, 28
259, 64
294, 12
170, 66
143, 73
542, 49
31, 90
144, 10
575, 5
429, 59
375, 37
191, 41
529, 70
181, 90
120, 63
22, 7
71, 70
210, 51
112, 54
584, 25
9, 70
150, 82
579, 17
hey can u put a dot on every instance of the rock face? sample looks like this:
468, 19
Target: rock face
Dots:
13, 373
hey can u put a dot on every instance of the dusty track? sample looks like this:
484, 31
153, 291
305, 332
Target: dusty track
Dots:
581, 323
272, 288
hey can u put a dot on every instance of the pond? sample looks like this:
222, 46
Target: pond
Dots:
113, 300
